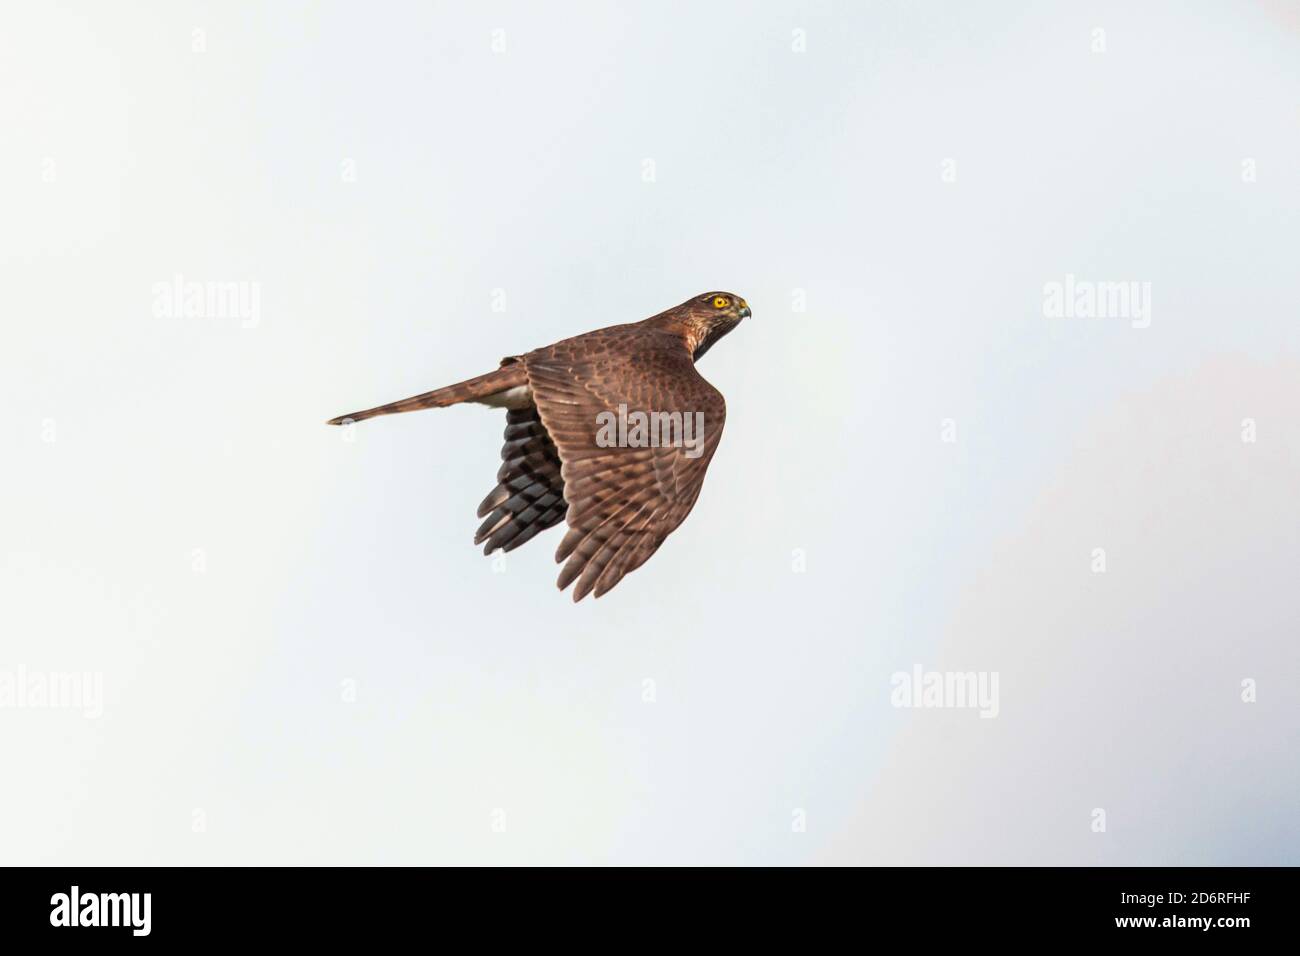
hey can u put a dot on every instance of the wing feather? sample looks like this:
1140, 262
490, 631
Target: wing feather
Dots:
622, 502
529, 496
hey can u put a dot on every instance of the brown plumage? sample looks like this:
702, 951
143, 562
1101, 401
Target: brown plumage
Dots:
622, 500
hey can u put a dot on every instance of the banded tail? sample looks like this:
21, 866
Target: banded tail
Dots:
487, 389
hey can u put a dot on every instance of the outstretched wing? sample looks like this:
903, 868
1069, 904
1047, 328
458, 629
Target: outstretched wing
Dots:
529, 496
622, 501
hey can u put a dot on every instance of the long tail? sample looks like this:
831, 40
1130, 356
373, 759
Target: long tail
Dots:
475, 389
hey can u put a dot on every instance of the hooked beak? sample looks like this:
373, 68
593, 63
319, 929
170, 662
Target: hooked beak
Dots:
744, 309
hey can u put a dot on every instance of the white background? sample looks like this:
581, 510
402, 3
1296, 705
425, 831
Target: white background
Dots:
176, 517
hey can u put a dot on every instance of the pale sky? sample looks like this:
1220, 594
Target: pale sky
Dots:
303, 657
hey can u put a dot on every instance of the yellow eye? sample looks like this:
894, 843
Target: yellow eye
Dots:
721, 302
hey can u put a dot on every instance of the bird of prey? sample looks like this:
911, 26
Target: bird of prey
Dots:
610, 431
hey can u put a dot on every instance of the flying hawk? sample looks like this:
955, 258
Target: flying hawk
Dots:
611, 431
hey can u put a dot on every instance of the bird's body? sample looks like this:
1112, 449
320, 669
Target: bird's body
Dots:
518, 396
621, 490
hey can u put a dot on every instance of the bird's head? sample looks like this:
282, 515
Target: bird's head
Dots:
719, 307
711, 316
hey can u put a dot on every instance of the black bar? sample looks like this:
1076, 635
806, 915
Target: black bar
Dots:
365, 905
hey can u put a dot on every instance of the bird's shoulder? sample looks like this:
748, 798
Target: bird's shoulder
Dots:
636, 361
